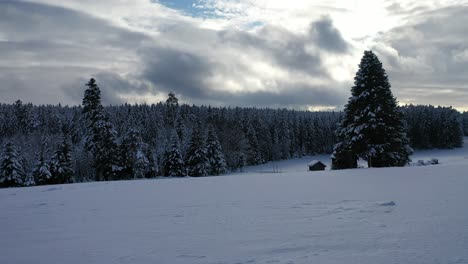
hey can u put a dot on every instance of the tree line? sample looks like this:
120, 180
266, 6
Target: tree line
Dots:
52, 144
435, 127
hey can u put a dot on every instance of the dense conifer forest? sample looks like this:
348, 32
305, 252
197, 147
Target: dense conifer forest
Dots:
51, 144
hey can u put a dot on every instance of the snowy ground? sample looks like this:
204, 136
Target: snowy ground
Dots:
394, 215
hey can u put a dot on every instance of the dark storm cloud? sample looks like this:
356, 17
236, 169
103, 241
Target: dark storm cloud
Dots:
25, 21
180, 71
284, 48
45, 47
185, 74
292, 95
54, 51
327, 36
188, 73
292, 51
39, 84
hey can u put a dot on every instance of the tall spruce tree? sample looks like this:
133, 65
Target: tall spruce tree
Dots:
172, 106
153, 168
61, 165
92, 106
41, 172
132, 145
373, 127
182, 132
173, 164
254, 156
196, 161
214, 154
105, 150
141, 165
12, 171
101, 136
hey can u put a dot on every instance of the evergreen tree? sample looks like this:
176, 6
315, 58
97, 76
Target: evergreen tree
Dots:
153, 168
29, 180
61, 165
172, 106
92, 107
141, 165
101, 136
254, 156
214, 154
173, 164
105, 149
373, 127
284, 139
275, 146
41, 172
241, 162
172, 100
196, 161
132, 144
182, 132
343, 157
12, 172
22, 116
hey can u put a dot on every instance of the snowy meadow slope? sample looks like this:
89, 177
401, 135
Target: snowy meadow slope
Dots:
392, 215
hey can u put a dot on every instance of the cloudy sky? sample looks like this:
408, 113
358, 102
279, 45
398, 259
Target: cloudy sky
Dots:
264, 53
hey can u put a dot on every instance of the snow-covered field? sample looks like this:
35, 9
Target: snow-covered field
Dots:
394, 215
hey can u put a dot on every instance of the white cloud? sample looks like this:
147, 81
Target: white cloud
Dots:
248, 47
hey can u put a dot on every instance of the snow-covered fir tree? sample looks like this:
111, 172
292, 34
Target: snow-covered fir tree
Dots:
12, 171
61, 164
373, 127
23, 117
141, 165
343, 157
196, 160
172, 106
284, 138
241, 162
41, 172
153, 166
105, 151
131, 150
183, 133
101, 136
172, 100
214, 154
254, 156
92, 107
173, 164
29, 180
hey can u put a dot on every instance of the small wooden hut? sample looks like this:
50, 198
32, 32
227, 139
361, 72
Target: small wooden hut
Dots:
316, 165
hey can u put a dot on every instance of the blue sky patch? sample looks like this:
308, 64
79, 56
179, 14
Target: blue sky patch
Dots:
189, 7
